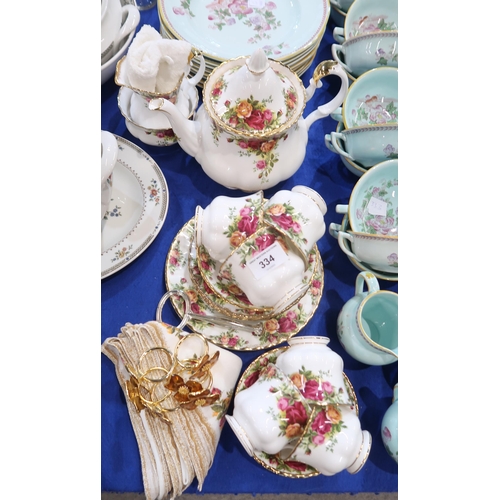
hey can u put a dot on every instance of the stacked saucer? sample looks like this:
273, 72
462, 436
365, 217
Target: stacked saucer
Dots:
290, 34
229, 293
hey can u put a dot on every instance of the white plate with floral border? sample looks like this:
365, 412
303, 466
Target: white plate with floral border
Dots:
274, 330
137, 210
273, 463
226, 29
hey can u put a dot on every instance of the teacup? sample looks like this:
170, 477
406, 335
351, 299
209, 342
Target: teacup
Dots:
224, 224
117, 22
363, 53
373, 203
372, 99
379, 252
156, 130
123, 78
332, 442
368, 16
109, 156
352, 165
267, 268
346, 247
316, 370
269, 414
365, 146
299, 215
367, 325
389, 427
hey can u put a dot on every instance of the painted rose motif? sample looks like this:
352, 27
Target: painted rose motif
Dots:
219, 409
291, 414
258, 242
166, 136
249, 114
285, 218
316, 388
244, 222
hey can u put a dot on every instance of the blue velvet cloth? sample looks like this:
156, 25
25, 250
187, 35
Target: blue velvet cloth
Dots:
132, 294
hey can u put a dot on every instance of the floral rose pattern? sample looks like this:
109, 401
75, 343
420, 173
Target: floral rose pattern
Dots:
166, 136
290, 412
327, 421
375, 110
379, 224
285, 218
248, 115
223, 13
219, 409
244, 222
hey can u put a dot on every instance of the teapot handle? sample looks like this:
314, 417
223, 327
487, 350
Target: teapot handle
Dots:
368, 278
323, 69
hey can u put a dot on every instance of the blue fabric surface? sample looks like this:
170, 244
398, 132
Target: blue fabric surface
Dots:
132, 294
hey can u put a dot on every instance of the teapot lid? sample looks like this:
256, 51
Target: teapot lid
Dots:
254, 96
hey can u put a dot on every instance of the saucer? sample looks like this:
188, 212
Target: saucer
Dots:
275, 330
363, 266
282, 28
147, 131
137, 210
274, 463
221, 305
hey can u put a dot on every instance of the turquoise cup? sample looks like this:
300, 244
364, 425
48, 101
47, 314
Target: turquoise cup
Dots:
363, 53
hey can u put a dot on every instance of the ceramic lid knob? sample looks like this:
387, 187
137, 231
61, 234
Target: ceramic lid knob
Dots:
257, 63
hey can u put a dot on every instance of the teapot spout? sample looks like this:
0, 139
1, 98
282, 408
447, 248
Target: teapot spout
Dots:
187, 131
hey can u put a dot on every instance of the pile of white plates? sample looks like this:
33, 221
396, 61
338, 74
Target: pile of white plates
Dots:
289, 32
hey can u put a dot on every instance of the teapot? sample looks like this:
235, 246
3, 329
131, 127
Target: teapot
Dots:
250, 133
109, 156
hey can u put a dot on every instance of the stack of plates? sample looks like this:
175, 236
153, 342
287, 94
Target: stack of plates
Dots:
289, 31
